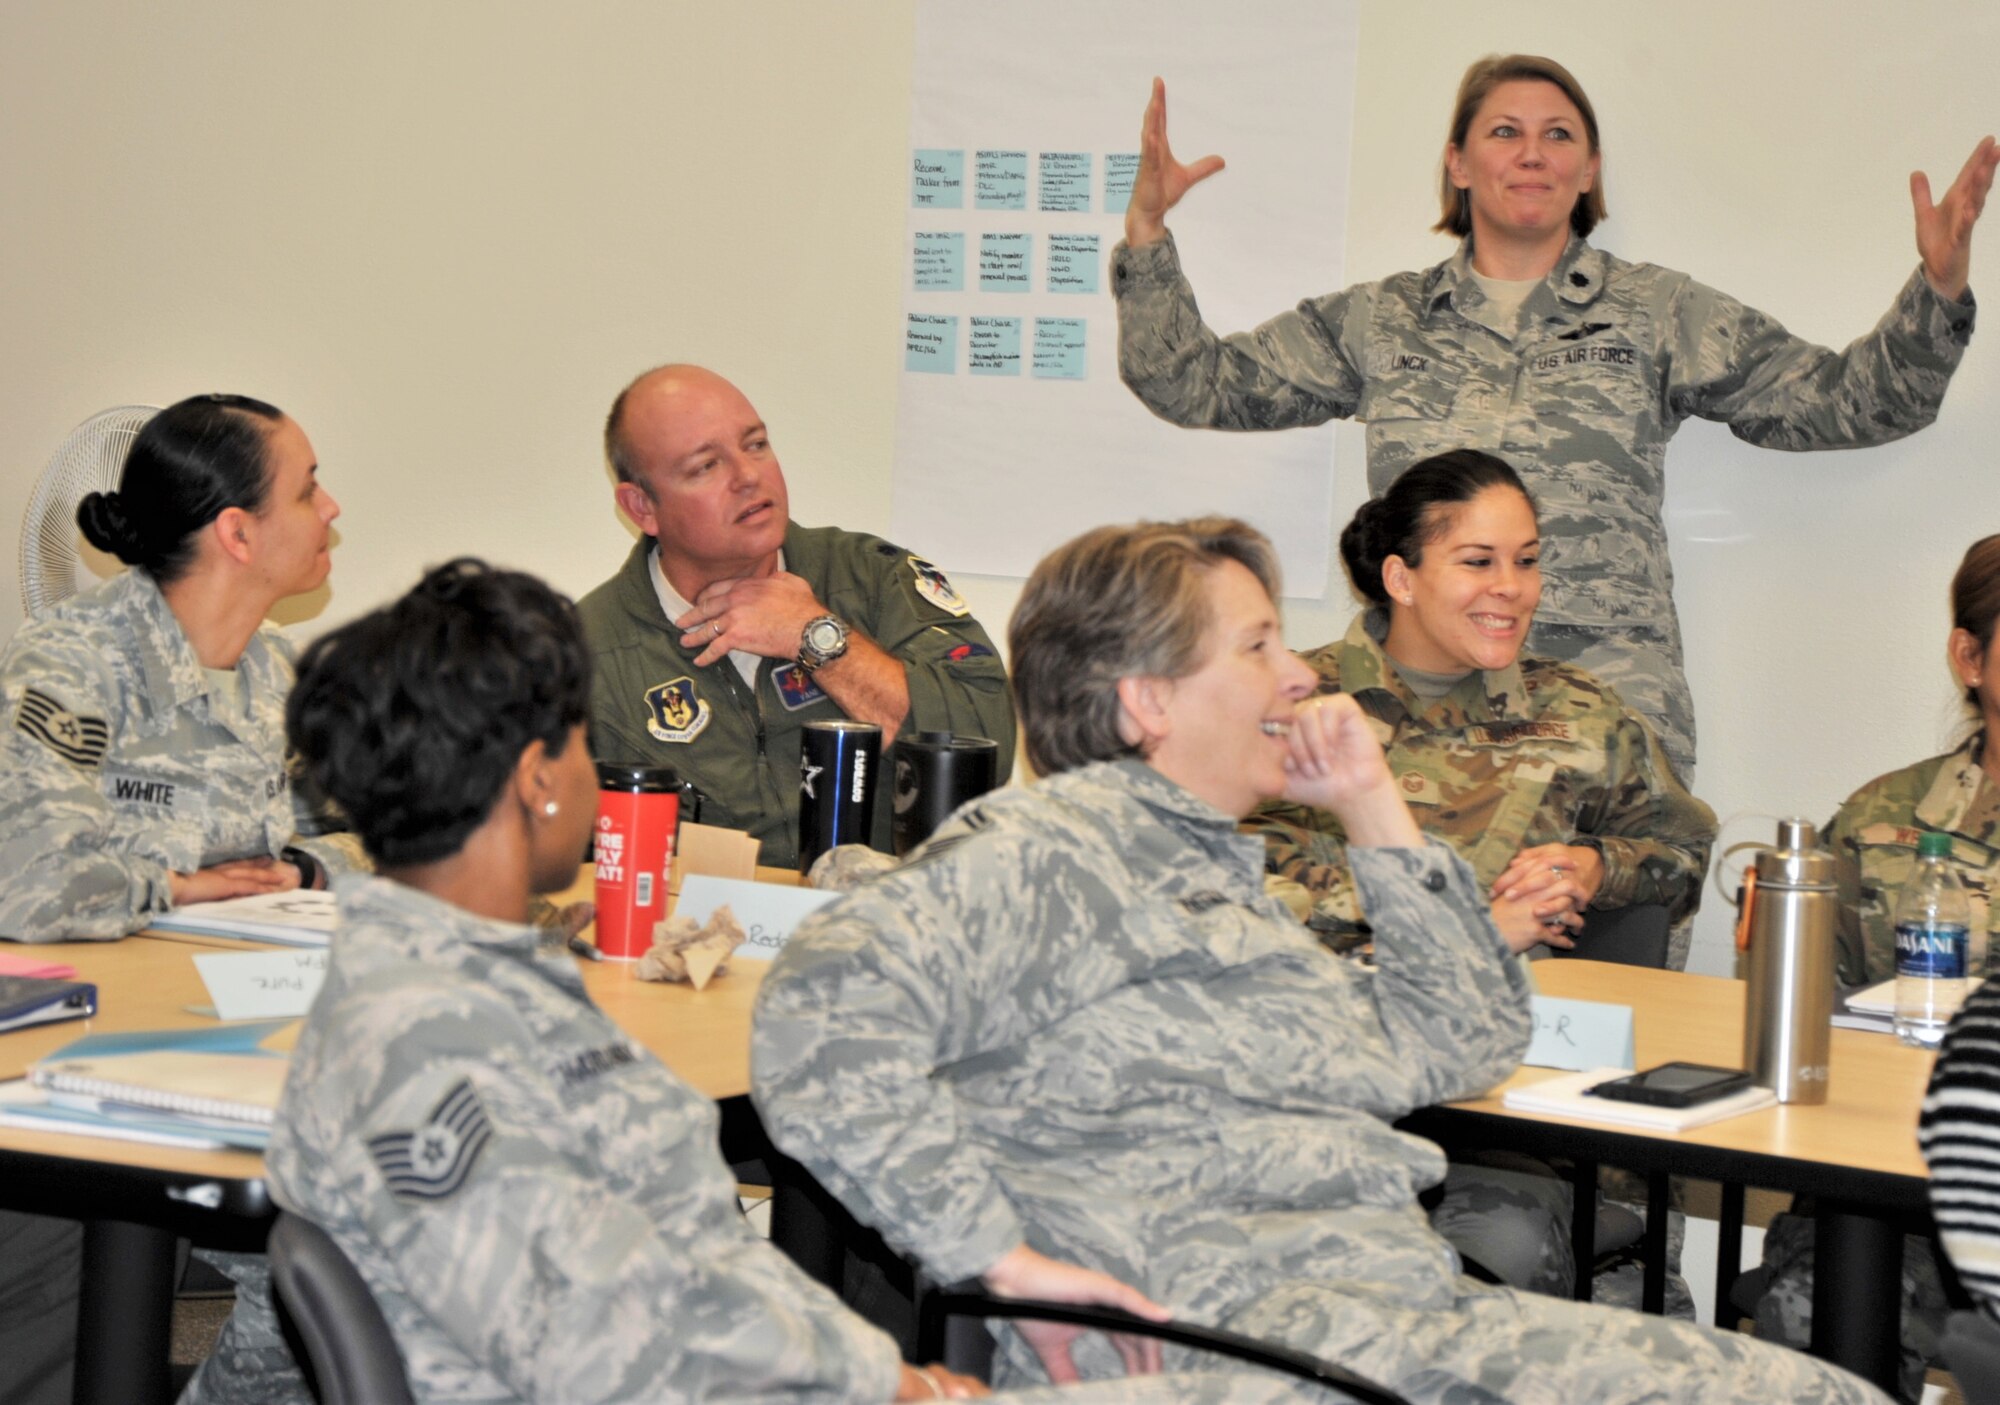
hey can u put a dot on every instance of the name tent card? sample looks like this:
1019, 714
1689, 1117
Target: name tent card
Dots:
768, 911
261, 985
1579, 1034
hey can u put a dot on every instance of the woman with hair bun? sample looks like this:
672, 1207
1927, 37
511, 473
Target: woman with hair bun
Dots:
143, 761
143, 743
1556, 794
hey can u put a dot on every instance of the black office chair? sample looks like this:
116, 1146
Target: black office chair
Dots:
948, 1330
1971, 1349
1627, 936
331, 1321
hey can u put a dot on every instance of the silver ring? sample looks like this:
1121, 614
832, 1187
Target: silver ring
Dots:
1556, 869
715, 629
930, 1382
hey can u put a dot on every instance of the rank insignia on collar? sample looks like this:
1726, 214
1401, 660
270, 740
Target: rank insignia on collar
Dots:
433, 1160
81, 741
675, 712
796, 688
936, 588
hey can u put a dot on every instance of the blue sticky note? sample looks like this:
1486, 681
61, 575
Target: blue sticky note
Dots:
1004, 261
1000, 180
1579, 1034
1059, 348
1072, 263
1065, 182
1119, 169
930, 343
937, 179
993, 346
937, 261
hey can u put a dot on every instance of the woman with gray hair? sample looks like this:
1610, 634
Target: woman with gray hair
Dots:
1072, 1041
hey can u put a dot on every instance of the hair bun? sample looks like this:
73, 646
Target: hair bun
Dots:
106, 527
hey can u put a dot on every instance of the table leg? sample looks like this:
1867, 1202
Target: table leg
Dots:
1653, 1272
1857, 1291
124, 1314
1583, 1226
806, 1222
1728, 1255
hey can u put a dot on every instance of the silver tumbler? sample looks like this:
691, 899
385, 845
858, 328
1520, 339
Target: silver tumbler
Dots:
1788, 1015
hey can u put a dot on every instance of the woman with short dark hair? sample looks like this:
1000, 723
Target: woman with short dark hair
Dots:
1573, 365
1073, 1035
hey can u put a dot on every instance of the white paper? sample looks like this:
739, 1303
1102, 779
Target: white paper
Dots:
768, 911
992, 470
261, 985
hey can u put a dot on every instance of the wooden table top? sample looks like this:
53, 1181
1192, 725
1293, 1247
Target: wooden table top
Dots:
1875, 1084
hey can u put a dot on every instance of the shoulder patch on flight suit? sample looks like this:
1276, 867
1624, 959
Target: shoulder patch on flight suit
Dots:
933, 585
81, 741
431, 1162
795, 686
675, 712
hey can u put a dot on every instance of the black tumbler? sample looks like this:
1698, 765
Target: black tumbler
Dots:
936, 772
839, 763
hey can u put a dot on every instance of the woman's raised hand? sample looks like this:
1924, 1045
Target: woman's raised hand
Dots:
1162, 181
1944, 229
1336, 764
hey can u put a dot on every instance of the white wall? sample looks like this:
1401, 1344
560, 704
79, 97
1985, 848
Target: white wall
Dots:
442, 234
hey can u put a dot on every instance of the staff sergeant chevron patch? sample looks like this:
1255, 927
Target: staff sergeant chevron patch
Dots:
433, 1161
79, 740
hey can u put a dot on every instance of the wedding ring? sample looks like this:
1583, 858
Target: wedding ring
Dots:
715, 629
930, 1382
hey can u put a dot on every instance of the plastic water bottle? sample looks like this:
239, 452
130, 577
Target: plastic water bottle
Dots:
1933, 924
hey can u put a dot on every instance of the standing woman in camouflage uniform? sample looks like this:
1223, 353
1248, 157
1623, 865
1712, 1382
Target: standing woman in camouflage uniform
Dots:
1534, 771
1874, 841
142, 763
1073, 1034
1572, 365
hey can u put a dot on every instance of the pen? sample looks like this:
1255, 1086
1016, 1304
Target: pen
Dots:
584, 949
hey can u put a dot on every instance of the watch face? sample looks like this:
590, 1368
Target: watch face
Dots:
823, 635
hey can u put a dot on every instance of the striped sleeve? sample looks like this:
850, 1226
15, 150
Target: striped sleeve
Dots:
1959, 1132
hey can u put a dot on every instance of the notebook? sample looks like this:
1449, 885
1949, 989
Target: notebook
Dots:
301, 917
1565, 1097
221, 1075
26, 1000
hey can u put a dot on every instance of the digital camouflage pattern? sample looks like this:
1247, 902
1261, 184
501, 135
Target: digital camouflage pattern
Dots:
122, 760
650, 705
1538, 752
1874, 842
1075, 1020
1784, 1312
539, 1206
1582, 404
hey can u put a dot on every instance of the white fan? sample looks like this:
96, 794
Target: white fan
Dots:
89, 461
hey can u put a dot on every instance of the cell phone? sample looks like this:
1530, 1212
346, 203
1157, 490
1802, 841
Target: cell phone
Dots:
1673, 1085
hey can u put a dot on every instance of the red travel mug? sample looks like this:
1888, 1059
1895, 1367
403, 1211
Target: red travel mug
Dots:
638, 811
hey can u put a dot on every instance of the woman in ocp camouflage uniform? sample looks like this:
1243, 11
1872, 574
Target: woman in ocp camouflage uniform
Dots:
1572, 365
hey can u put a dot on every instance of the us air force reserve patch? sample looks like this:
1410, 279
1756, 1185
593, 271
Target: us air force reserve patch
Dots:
81, 741
933, 585
675, 712
433, 1161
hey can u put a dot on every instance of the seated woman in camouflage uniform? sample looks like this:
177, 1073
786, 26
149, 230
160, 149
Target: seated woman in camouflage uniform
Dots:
142, 761
1874, 841
538, 1205
1534, 771
1075, 1031
1555, 792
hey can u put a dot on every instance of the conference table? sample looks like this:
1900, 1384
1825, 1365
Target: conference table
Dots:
1856, 1154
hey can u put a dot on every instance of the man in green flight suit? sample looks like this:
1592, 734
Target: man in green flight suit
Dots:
730, 627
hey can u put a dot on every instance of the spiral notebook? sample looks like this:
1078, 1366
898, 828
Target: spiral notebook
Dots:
222, 1076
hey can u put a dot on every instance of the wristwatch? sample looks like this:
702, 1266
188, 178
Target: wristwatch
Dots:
821, 642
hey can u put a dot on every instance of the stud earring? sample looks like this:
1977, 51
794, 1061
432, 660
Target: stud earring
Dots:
550, 809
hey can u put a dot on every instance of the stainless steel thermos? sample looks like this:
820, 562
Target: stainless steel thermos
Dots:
840, 768
936, 772
1788, 1016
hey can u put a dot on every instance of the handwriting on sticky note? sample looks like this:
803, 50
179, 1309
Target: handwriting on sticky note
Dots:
768, 911
1579, 1034
1059, 348
262, 985
937, 179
